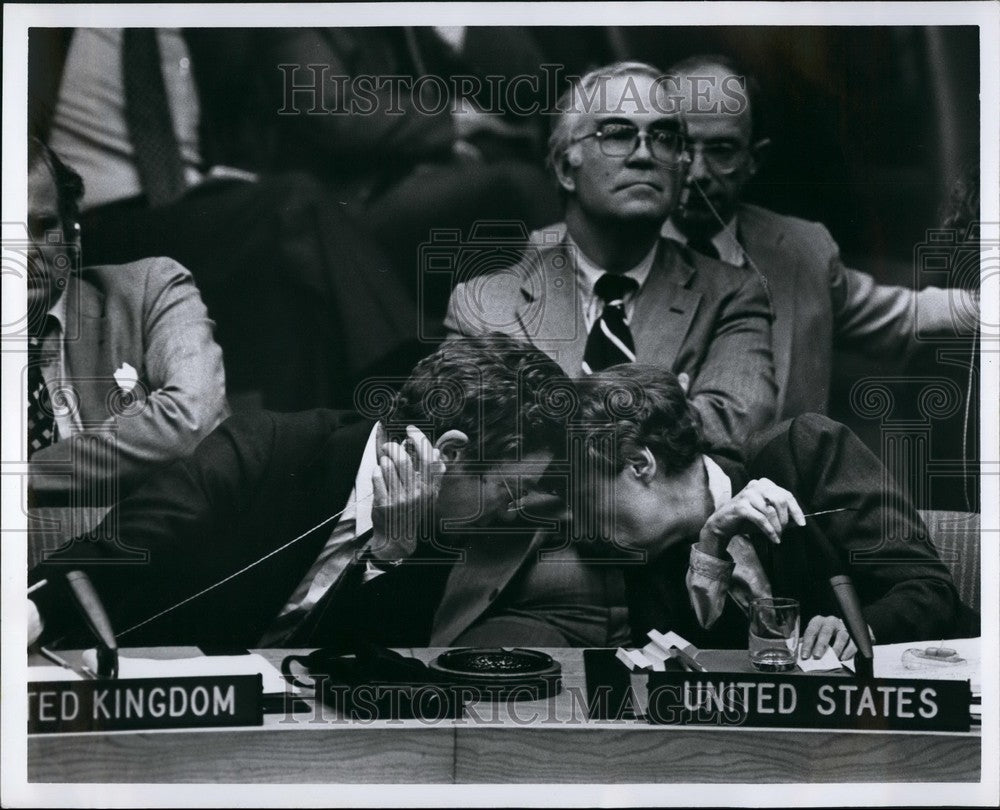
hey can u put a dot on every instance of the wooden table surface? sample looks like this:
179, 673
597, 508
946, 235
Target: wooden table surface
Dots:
535, 741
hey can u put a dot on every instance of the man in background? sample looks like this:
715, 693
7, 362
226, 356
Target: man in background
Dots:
123, 372
173, 139
818, 303
603, 287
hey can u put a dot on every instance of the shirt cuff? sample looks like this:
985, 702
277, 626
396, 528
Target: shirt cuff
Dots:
708, 580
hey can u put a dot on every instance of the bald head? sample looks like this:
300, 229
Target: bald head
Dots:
720, 105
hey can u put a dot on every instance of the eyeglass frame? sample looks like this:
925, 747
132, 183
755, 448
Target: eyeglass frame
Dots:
693, 146
642, 135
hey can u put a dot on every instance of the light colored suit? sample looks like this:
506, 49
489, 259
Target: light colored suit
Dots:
693, 315
149, 316
819, 304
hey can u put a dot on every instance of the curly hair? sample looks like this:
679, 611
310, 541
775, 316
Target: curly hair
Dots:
642, 406
495, 389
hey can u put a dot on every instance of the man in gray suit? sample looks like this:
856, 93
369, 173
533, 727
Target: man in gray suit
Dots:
817, 301
603, 288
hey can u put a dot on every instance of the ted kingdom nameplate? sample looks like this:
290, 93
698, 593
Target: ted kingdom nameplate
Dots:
144, 703
755, 700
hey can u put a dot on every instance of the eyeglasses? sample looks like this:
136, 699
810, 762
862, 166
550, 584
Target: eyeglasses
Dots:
619, 139
720, 158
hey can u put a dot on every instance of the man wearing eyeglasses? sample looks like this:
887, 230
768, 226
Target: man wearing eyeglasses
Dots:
604, 288
600, 289
816, 300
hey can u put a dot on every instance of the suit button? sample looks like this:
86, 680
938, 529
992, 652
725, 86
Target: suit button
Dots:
494, 594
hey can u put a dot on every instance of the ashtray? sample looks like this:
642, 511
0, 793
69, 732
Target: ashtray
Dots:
920, 658
501, 673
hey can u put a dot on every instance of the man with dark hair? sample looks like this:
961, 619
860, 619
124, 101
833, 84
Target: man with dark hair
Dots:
604, 288
284, 523
818, 303
123, 371
716, 535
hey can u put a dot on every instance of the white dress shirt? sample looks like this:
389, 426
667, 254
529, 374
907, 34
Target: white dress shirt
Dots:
89, 130
711, 580
587, 275
340, 551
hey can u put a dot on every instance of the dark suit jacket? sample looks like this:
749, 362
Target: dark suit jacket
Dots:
252, 486
819, 303
149, 315
906, 592
693, 315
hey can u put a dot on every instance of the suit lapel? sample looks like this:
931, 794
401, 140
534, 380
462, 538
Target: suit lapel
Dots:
89, 361
549, 312
664, 308
763, 243
475, 582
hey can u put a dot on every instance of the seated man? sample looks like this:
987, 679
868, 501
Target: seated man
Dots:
123, 371
274, 530
819, 304
659, 493
604, 288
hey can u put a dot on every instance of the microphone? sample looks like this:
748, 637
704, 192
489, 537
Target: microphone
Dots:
86, 598
847, 601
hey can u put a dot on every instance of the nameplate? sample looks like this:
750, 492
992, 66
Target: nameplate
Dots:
818, 702
144, 703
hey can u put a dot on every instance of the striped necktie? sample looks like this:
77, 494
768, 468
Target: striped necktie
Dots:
610, 340
42, 429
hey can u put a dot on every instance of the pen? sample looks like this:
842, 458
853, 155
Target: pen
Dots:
830, 511
83, 671
687, 660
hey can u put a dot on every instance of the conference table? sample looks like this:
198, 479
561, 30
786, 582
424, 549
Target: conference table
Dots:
541, 741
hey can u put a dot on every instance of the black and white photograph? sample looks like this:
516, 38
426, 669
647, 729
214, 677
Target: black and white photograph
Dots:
466, 404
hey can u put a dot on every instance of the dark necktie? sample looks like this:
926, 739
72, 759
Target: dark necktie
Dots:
41, 422
147, 113
705, 247
610, 341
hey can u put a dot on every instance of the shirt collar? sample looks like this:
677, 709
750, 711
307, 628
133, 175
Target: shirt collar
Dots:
725, 241
58, 311
589, 272
719, 485
363, 488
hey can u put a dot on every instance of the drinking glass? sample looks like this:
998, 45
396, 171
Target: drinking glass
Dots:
774, 634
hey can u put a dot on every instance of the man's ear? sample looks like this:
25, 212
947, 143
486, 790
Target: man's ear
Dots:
565, 168
643, 465
451, 444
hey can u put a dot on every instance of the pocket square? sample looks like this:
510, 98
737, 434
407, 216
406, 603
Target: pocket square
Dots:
126, 377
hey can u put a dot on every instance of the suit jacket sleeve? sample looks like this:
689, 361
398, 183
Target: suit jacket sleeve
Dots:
906, 591
883, 319
168, 538
186, 396
735, 391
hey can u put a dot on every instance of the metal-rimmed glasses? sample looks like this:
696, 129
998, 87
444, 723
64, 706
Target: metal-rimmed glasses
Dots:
665, 142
